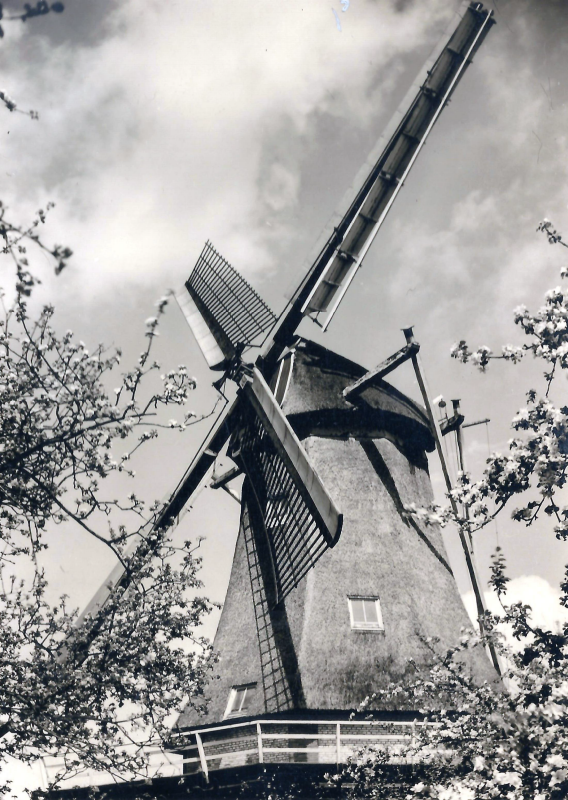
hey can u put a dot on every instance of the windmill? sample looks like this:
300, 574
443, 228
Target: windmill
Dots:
333, 586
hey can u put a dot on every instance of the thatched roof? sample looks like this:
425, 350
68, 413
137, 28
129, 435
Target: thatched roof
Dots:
314, 399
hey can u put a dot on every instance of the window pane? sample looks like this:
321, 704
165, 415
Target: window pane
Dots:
357, 610
245, 703
238, 701
371, 611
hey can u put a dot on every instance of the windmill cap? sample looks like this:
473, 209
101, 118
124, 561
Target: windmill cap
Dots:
314, 400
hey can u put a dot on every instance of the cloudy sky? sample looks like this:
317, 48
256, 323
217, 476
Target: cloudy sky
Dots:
163, 124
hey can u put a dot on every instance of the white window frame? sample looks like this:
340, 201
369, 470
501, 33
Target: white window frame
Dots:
238, 712
366, 626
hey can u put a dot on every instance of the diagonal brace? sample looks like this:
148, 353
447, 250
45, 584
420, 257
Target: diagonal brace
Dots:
353, 391
220, 481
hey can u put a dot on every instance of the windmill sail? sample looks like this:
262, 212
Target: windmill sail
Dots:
346, 239
221, 308
300, 519
399, 154
120, 577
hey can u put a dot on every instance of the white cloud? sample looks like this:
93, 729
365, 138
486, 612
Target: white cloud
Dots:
160, 135
532, 590
281, 187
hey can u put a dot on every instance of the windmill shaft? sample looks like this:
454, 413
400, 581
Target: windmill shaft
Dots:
367, 235
119, 576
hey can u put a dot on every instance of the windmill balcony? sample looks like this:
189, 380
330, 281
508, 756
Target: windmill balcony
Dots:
271, 741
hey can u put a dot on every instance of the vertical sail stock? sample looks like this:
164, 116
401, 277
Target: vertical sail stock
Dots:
399, 148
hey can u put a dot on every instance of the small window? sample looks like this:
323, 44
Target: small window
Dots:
240, 699
365, 613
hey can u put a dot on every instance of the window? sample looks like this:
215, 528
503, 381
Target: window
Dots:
240, 699
365, 613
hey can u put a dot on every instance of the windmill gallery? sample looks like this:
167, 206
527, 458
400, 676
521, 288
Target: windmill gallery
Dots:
333, 588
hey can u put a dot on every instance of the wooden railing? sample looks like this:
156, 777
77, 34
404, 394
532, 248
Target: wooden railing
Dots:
288, 741
258, 741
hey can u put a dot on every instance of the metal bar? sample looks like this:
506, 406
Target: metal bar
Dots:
381, 736
229, 753
202, 757
461, 460
338, 742
292, 749
252, 722
314, 735
217, 742
478, 422
475, 583
333, 736
459, 439
384, 368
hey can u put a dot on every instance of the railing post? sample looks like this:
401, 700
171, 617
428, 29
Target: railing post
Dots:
259, 735
338, 742
202, 758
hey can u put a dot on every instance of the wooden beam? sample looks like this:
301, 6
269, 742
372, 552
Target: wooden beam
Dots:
220, 481
375, 375
470, 563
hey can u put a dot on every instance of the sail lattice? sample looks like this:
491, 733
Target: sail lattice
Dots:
228, 300
296, 538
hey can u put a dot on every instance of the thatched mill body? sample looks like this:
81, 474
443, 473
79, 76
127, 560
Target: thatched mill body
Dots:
363, 615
